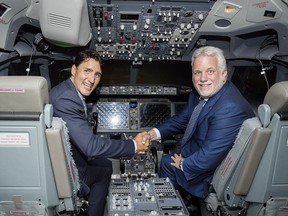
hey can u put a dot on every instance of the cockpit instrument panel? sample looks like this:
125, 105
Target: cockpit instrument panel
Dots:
145, 31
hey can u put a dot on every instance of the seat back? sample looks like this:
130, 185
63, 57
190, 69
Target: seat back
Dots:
25, 168
271, 178
25, 159
65, 171
248, 136
254, 169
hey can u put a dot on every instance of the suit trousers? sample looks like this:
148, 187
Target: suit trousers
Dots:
167, 170
95, 183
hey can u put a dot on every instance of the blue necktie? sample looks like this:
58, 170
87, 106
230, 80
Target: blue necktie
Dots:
193, 120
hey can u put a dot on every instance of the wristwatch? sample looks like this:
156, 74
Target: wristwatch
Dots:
181, 164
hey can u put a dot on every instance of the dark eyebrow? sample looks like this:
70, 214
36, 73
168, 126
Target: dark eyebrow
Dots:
87, 69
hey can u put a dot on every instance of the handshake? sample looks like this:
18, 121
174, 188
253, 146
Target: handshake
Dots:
143, 140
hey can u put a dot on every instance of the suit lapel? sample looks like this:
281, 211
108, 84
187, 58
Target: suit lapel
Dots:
212, 102
208, 106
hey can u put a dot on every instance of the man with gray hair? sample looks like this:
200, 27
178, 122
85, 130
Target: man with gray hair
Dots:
210, 122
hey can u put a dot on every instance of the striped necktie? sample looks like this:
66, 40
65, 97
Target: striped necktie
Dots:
84, 103
85, 107
193, 120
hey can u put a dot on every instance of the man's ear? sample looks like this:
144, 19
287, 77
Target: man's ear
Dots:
225, 75
73, 70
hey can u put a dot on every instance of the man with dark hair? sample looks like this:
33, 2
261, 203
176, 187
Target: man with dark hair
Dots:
90, 151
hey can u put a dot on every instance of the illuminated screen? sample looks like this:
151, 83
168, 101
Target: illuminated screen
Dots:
112, 115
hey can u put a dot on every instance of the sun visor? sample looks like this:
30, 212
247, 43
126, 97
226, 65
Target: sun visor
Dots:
65, 22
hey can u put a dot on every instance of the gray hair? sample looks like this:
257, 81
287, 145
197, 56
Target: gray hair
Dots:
211, 51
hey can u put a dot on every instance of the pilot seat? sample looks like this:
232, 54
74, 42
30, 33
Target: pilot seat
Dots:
38, 174
253, 178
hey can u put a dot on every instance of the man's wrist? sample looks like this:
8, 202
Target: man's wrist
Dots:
135, 145
157, 134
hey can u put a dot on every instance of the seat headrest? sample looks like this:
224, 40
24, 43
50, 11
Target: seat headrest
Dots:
23, 93
277, 97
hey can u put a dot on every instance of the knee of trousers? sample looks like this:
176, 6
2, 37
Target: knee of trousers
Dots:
166, 161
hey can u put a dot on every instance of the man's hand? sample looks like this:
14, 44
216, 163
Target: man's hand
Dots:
153, 134
177, 159
143, 141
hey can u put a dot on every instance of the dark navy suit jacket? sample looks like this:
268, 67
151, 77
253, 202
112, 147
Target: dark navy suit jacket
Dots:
211, 138
68, 105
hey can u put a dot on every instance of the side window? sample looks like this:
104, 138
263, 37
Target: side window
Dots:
252, 84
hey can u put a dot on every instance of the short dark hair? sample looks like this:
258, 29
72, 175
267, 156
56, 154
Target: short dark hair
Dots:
86, 55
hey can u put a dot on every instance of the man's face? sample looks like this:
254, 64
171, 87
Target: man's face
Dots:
86, 76
205, 76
